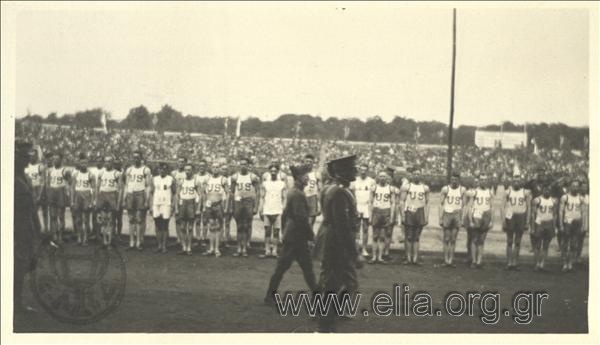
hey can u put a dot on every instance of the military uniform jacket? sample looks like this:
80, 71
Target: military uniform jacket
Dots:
26, 223
296, 226
335, 241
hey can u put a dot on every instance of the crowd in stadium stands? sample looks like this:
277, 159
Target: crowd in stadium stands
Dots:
468, 160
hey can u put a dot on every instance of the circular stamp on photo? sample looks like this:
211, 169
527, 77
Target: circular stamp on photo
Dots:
78, 284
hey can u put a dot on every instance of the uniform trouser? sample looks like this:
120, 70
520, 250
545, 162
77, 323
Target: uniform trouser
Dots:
291, 252
336, 277
23, 263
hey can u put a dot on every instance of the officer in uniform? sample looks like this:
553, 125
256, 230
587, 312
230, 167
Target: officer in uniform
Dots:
26, 225
297, 232
335, 240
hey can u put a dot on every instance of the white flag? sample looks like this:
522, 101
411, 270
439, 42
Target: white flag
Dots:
298, 128
238, 128
103, 121
535, 148
154, 121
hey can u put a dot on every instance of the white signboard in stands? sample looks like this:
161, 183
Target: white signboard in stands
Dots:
507, 140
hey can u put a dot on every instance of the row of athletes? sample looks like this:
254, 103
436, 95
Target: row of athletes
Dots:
380, 205
203, 203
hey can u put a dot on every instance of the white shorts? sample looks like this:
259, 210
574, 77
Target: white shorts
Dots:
363, 211
163, 211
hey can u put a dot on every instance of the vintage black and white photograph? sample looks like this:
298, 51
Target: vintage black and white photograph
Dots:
298, 167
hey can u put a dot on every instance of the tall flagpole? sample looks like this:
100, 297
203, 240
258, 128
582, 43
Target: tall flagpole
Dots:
451, 124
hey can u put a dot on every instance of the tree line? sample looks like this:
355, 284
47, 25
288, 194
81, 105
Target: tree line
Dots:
374, 129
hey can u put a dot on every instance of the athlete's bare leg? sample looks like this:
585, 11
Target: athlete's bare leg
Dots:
86, 227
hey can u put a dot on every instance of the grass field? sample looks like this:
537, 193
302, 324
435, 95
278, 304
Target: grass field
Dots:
169, 293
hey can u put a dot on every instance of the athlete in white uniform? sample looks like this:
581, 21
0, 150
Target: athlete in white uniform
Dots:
516, 220
414, 200
479, 218
36, 171
58, 178
201, 177
96, 171
244, 189
109, 194
382, 210
188, 207
451, 214
585, 219
543, 218
272, 198
313, 189
227, 209
396, 195
179, 175
83, 186
162, 194
138, 181
362, 189
214, 196
569, 222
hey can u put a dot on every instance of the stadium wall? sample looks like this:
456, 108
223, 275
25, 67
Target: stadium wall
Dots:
506, 140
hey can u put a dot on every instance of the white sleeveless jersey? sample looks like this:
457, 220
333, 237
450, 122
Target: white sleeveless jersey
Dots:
244, 187
136, 178
312, 186
572, 208
415, 197
162, 190
382, 196
544, 210
57, 177
95, 172
516, 201
188, 190
109, 180
178, 175
273, 197
215, 188
454, 199
33, 171
83, 181
482, 200
201, 179
362, 189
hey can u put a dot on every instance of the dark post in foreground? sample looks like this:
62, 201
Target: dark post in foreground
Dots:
451, 124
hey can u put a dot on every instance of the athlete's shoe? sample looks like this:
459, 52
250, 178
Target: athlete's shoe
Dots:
365, 253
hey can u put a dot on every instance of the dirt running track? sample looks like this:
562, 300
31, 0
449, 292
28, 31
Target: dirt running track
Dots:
170, 293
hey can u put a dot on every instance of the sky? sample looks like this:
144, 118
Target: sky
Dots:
332, 59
